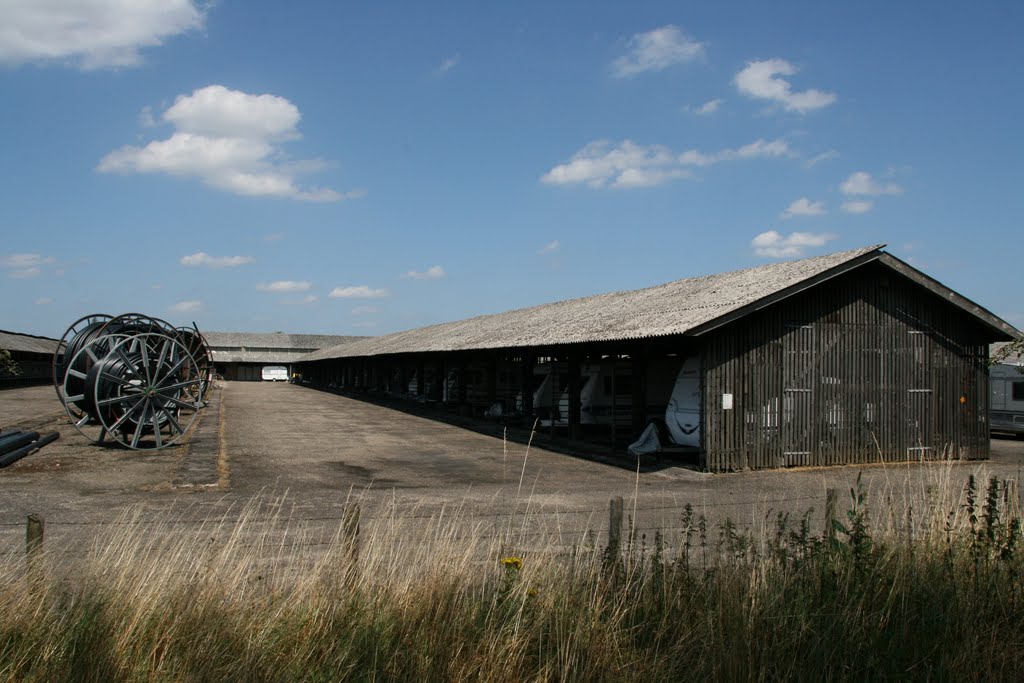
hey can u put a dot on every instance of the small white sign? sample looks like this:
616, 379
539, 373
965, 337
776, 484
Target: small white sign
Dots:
726, 401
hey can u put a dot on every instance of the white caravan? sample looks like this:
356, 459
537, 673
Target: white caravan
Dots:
275, 373
682, 414
606, 396
1006, 407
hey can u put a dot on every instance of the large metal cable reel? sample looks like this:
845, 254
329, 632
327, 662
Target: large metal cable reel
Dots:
74, 338
143, 393
79, 336
200, 351
138, 323
78, 400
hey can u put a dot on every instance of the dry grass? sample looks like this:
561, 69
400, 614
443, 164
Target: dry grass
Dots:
929, 586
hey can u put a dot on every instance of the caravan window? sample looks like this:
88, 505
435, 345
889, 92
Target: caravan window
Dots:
1018, 391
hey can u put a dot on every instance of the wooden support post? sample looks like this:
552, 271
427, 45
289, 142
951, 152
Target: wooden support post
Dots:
440, 381
831, 497
615, 406
573, 389
492, 381
615, 527
526, 388
421, 378
33, 549
403, 381
33, 535
554, 394
463, 386
639, 391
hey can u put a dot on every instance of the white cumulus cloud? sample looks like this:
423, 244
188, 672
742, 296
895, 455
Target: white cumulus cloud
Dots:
709, 107
25, 260
431, 273
763, 80
357, 292
217, 112
365, 310
772, 244
230, 140
550, 247
43, 301
285, 286
629, 165
447, 64
201, 258
861, 183
25, 273
186, 306
818, 158
656, 50
857, 206
91, 34
804, 207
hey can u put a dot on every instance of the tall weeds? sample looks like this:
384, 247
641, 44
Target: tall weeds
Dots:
929, 589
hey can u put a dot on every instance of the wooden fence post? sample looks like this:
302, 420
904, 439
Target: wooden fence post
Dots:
350, 529
831, 497
33, 535
33, 547
615, 527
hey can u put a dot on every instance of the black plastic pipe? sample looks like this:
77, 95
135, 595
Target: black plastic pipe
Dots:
15, 456
17, 441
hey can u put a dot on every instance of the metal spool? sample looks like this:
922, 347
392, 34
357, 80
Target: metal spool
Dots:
77, 334
138, 323
133, 378
199, 349
78, 399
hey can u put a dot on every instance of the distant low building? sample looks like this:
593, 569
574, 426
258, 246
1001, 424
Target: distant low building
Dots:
33, 355
241, 356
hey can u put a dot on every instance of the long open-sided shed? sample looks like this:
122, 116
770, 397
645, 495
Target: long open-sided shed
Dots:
843, 358
32, 354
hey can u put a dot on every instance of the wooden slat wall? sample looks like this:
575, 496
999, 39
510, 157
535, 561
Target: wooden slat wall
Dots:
866, 367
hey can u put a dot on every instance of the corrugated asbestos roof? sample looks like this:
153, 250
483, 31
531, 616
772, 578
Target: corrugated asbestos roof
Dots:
275, 340
28, 343
678, 307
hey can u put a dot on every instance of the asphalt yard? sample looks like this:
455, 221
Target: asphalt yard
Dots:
305, 453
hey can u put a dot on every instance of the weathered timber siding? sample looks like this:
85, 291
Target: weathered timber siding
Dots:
866, 367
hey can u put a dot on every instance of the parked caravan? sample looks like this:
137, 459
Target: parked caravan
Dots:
1006, 384
682, 415
606, 391
275, 373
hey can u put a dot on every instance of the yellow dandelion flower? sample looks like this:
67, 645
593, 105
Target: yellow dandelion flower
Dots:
515, 563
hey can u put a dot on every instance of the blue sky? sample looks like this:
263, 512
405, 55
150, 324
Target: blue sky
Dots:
329, 167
